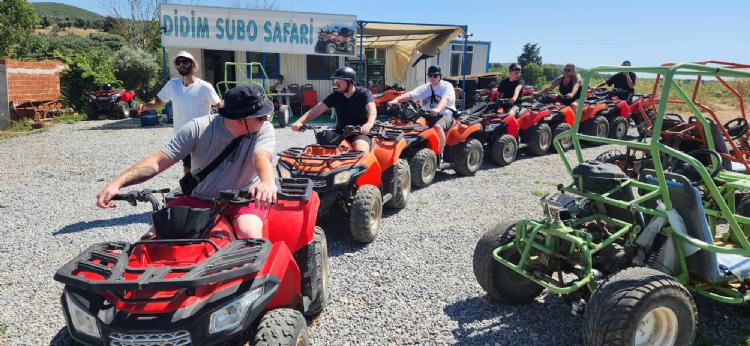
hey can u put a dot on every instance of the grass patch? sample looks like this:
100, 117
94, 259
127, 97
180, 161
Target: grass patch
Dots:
3, 329
23, 127
538, 193
420, 202
3, 206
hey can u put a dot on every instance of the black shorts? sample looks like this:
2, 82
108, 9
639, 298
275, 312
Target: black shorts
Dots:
186, 161
445, 121
334, 137
359, 137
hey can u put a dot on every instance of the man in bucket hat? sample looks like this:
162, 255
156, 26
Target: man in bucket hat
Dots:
248, 166
191, 96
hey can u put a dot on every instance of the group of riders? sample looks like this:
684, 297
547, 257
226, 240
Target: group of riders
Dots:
233, 150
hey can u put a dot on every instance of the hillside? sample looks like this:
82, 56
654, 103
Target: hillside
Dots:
58, 10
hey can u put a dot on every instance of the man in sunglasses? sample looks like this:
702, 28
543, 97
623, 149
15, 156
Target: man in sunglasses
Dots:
624, 84
569, 86
242, 124
354, 106
437, 97
191, 96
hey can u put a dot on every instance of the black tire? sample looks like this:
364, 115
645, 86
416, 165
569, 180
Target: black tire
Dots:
597, 126
403, 188
283, 116
350, 47
320, 248
282, 327
63, 338
91, 113
619, 128
423, 166
504, 150
122, 110
366, 211
331, 48
540, 139
742, 206
470, 157
566, 142
501, 283
621, 304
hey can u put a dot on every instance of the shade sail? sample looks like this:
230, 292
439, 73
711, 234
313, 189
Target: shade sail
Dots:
408, 41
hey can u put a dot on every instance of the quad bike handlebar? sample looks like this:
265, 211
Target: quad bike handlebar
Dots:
143, 196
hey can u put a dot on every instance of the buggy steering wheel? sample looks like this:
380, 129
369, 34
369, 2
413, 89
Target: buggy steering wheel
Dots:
736, 127
683, 168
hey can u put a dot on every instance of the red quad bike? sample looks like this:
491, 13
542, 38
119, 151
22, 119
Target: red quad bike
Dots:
114, 102
330, 42
197, 284
355, 183
616, 110
463, 150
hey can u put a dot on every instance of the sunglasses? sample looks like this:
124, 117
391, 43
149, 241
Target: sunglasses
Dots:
568, 70
183, 62
433, 75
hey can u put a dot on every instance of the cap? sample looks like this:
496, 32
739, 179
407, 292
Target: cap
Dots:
514, 67
185, 54
245, 101
434, 69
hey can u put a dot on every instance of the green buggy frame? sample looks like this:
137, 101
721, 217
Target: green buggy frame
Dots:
627, 251
282, 108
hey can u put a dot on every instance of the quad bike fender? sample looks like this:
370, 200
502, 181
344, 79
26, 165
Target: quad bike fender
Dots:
372, 175
460, 132
428, 139
292, 222
127, 96
281, 264
539, 117
388, 152
591, 111
509, 126
624, 109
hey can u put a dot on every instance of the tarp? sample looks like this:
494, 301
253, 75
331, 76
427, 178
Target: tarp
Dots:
409, 41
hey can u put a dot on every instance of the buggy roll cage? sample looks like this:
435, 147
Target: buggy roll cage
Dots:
718, 197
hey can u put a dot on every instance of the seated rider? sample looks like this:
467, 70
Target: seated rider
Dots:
510, 88
438, 97
624, 84
245, 113
354, 106
569, 84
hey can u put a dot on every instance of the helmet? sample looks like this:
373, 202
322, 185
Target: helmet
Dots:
345, 73
434, 69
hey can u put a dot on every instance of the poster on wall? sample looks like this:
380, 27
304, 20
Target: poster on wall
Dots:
221, 28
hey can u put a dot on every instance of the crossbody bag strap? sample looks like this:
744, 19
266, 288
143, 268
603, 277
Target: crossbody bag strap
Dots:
215, 163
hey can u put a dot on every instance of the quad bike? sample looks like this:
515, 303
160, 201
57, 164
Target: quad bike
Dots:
463, 151
356, 183
593, 121
330, 42
196, 283
253, 73
381, 99
616, 110
628, 252
112, 101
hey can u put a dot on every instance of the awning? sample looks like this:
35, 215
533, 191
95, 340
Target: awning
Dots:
409, 41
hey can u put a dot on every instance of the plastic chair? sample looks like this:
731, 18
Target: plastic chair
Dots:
309, 97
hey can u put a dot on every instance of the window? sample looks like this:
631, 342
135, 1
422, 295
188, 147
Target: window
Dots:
320, 67
457, 52
375, 53
270, 61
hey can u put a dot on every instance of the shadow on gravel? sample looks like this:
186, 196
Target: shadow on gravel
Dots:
125, 124
119, 221
482, 322
721, 324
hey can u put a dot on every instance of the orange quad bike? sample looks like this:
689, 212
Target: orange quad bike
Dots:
354, 183
593, 121
463, 151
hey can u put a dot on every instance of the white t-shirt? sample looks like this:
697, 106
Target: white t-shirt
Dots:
423, 94
188, 102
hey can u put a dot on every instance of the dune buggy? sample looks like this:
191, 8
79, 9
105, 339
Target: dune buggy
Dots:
253, 73
627, 251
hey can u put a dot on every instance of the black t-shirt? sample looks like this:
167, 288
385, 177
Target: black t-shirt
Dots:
508, 88
352, 110
619, 81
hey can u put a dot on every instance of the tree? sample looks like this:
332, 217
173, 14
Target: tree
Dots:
45, 22
141, 29
83, 72
530, 54
17, 22
139, 70
533, 74
255, 4
551, 71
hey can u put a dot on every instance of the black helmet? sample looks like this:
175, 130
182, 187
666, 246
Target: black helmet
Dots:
434, 69
345, 73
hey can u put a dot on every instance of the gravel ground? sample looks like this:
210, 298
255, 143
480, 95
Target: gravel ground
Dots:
413, 285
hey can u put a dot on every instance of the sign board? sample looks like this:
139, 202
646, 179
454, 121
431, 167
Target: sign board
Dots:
221, 28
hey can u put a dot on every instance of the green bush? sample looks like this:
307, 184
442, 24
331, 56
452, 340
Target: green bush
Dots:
111, 41
139, 70
83, 73
17, 23
550, 71
533, 74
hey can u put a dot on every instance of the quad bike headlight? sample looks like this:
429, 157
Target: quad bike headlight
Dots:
341, 178
492, 127
284, 172
116, 96
230, 316
81, 320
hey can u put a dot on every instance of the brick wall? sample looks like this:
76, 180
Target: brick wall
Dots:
31, 80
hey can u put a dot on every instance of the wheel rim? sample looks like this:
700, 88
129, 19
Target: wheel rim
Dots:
406, 184
622, 129
601, 130
331, 49
428, 169
473, 159
566, 142
544, 139
375, 216
286, 116
509, 151
658, 327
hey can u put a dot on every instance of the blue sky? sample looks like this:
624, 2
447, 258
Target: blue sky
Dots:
586, 33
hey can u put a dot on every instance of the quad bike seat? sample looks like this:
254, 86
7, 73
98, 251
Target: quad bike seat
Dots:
709, 266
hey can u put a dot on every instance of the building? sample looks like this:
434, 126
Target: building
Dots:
305, 48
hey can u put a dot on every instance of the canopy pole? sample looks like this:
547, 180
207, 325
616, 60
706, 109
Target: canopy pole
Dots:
361, 34
463, 72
